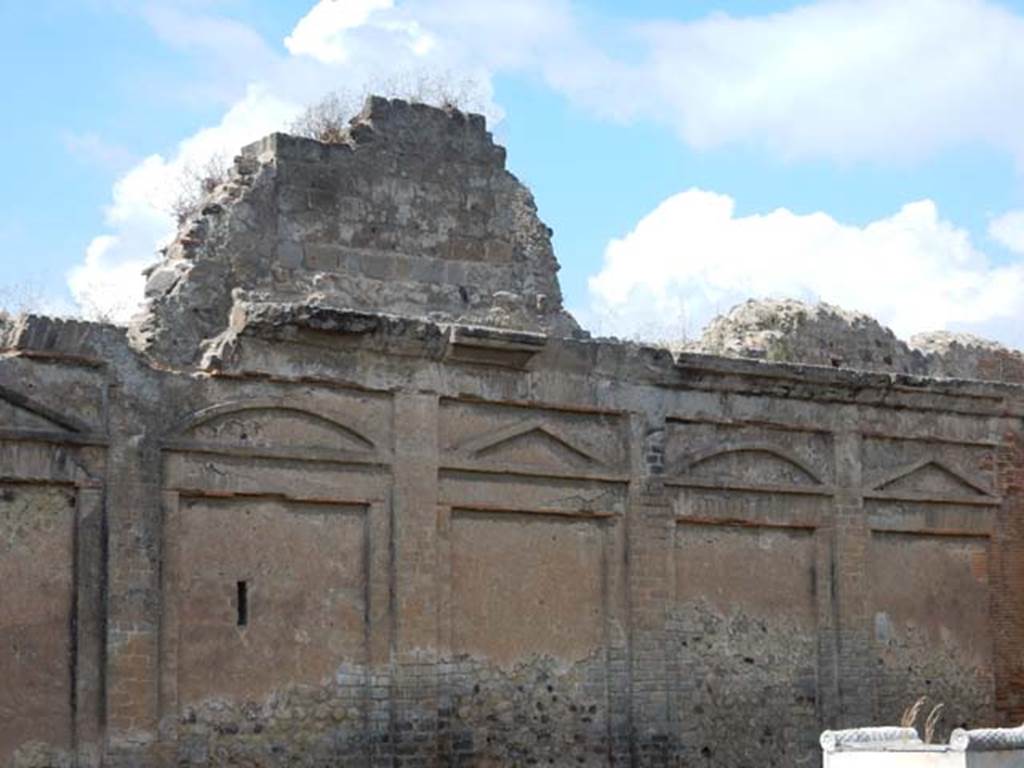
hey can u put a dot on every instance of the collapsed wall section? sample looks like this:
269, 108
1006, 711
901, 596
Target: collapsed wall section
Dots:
793, 331
411, 213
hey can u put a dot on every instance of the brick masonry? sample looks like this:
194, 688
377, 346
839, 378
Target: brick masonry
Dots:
332, 531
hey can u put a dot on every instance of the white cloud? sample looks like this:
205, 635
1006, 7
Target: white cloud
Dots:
692, 258
1008, 229
845, 80
320, 33
140, 217
107, 285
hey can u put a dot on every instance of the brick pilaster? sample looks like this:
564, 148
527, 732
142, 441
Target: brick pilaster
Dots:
1008, 600
416, 636
650, 540
132, 643
851, 538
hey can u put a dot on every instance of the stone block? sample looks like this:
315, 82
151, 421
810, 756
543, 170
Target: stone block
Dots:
499, 252
323, 257
379, 266
290, 254
466, 249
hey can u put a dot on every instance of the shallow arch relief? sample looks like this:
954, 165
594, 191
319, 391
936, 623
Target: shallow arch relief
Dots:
271, 424
751, 464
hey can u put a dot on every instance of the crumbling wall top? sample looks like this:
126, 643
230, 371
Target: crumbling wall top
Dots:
788, 330
792, 331
963, 355
412, 213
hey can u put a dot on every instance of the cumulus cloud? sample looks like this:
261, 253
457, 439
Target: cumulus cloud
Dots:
109, 283
321, 32
692, 257
1008, 230
845, 80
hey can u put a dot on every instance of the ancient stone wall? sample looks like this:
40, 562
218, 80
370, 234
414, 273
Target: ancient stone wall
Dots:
412, 213
335, 535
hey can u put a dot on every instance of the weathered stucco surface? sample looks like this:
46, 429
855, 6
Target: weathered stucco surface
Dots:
335, 501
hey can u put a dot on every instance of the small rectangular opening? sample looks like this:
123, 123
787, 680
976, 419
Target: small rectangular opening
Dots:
242, 603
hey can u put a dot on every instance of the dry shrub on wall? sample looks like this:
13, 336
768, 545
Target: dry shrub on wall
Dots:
195, 183
30, 299
327, 120
445, 90
20, 299
110, 312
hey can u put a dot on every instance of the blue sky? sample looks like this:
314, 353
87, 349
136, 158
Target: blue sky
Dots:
687, 154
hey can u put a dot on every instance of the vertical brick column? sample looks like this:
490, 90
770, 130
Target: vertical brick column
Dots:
617, 638
89, 622
1008, 595
381, 612
134, 539
850, 585
415, 641
829, 714
650, 524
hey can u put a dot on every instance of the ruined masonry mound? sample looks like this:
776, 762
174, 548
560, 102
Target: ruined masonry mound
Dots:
792, 331
412, 214
963, 355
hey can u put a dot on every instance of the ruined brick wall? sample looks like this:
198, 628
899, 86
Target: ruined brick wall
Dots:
793, 331
1008, 569
365, 545
344, 536
412, 213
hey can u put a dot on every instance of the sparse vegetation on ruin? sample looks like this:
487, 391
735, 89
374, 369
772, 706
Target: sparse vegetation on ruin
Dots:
327, 119
20, 298
196, 182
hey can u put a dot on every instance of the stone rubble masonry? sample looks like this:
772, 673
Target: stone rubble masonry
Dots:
306, 512
965, 356
792, 331
413, 213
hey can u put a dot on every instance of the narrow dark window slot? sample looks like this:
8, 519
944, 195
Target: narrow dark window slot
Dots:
242, 603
